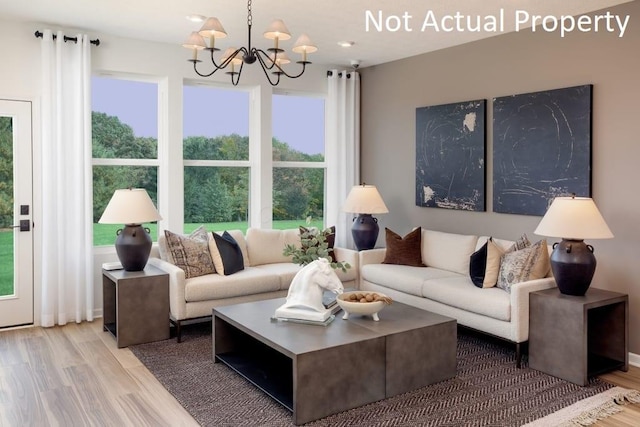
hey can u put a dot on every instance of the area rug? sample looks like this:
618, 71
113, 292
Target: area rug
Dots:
488, 390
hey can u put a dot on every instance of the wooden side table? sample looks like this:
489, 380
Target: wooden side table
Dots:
135, 305
575, 337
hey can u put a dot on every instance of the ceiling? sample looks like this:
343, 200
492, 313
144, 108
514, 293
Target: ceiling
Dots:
326, 21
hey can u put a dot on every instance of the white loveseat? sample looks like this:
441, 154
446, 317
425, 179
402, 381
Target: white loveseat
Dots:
266, 274
445, 287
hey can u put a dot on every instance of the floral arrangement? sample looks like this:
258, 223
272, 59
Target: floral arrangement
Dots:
314, 245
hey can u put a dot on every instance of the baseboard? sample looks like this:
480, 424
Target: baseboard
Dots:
634, 360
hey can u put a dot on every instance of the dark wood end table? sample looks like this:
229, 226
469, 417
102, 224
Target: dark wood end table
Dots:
135, 305
576, 337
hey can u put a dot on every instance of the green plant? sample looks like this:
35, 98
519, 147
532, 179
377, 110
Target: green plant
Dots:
313, 246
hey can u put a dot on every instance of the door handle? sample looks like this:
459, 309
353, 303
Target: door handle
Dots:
25, 225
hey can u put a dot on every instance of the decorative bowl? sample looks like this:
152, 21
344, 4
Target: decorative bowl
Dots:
362, 308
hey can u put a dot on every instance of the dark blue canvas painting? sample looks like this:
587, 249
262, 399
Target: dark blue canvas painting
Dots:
541, 149
450, 150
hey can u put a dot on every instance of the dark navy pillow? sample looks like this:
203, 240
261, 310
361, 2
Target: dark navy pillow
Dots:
226, 254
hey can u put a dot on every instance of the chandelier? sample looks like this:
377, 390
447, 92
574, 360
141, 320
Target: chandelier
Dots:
234, 59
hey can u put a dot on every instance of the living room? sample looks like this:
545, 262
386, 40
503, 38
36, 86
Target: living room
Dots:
502, 65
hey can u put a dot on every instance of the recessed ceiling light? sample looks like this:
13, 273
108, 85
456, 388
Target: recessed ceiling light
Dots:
196, 18
346, 43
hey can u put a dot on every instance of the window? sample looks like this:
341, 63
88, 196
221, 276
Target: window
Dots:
125, 145
216, 158
298, 161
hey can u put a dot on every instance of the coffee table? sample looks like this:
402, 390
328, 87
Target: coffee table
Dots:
316, 371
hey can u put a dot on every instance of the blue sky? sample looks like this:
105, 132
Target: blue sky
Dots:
208, 111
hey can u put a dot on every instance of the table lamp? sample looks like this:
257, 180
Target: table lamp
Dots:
365, 200
573, 219
131, 207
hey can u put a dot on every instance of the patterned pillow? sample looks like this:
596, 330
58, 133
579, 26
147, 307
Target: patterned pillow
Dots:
163, 247
524, 264
191, 254
405, 250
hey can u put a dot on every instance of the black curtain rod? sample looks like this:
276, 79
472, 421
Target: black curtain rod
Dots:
96, 42
330, 73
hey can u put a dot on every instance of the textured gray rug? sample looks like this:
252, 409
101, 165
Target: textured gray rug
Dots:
488, 389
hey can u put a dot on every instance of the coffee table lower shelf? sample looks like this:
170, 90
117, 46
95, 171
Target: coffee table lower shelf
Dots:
271, 373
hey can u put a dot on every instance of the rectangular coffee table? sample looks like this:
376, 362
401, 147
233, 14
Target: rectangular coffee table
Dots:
316, 371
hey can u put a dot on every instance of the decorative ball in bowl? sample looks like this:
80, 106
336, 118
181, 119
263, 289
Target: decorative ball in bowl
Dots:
363, 303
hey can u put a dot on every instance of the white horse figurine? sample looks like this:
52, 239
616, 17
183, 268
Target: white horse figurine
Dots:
304, 300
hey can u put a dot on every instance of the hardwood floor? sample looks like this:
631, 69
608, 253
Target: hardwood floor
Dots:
76, 376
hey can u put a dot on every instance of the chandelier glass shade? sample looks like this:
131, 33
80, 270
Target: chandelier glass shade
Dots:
233, 59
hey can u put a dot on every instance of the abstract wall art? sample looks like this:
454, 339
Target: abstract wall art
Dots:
450, 150
541, 148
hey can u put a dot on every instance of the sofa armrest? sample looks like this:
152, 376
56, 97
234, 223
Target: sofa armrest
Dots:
177, 301
349, 256
520, 305
372, 256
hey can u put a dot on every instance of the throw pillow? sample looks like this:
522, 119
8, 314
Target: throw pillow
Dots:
404, 250
190, 254
331, 240
226, 254
484, 265
522, 265
521, 243
163, 247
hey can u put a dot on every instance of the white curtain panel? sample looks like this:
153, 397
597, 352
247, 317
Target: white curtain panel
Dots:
67, 252
343, 149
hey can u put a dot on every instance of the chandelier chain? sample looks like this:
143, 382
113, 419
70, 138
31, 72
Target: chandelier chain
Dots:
249, 15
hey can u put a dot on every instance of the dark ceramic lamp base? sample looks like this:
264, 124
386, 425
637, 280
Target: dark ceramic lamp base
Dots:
133, 246
365, 231
573, 265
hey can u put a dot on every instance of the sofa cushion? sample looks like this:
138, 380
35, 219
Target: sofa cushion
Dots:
402, 278
190, 254
285, 271
266, 246
459, 292
403, 250
447, 251
214, 286
484, 265
522, 265
226, 254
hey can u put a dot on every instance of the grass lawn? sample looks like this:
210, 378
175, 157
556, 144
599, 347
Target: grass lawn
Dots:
105, 235
6, 262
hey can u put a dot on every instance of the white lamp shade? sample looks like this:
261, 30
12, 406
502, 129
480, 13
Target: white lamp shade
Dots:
130, 206
281, 59
212, 27
364, 199
237, 60
194, 41
574, 218
304, 45
277, 30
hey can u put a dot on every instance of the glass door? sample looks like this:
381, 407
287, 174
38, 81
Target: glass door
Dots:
16, 241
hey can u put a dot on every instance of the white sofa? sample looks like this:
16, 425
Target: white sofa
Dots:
445, 287
267, 274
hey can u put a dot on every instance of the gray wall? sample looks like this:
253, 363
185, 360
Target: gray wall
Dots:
505, 65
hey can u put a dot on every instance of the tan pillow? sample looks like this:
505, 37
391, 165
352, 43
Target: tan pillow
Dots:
404, 250
525, 264
265, 246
